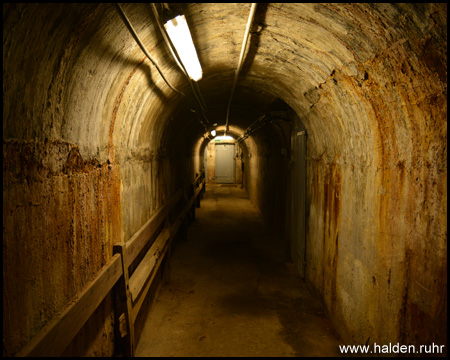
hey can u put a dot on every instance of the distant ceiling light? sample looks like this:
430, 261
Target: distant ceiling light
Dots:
213, 132
180, 36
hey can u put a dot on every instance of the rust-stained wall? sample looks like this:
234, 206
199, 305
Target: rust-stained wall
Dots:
61, 216
377, 227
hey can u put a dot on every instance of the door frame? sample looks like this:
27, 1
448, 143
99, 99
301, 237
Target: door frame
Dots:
298, 196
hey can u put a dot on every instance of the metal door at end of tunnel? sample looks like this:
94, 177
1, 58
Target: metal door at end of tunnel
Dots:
224, 171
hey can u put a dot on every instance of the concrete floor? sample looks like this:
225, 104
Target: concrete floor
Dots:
233, 294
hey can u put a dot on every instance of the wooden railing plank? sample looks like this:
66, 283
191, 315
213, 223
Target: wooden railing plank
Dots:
55, 336
142, 272
173, 230
135, 245
140, 238
140, 300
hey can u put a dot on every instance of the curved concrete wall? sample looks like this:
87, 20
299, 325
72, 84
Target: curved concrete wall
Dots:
94, 142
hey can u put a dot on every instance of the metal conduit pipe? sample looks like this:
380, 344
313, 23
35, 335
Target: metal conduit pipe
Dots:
141, 45
270, 118
250, 130
199, 119
177, 59
199, 94
241, 58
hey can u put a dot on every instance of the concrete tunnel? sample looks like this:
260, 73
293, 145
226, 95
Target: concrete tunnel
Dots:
95, 142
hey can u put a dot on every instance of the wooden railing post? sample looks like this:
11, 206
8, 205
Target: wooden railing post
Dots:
168, 258
124, 326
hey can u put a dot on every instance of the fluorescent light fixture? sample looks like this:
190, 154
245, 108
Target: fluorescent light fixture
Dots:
224, 137
213, 132
180, 36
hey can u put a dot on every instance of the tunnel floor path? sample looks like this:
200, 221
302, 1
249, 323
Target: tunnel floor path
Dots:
232, 293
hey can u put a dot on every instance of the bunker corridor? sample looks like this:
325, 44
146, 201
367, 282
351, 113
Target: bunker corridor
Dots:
336, 118
230, 292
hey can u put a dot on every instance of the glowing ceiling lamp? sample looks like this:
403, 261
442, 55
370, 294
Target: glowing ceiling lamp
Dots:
180, 36
213, 132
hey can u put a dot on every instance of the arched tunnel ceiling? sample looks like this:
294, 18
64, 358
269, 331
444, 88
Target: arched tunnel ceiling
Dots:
86, 114
100, 90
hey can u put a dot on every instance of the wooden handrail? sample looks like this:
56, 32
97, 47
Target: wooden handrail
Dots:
60, 331
151, 271
138, 241
53, 339
145, 267
151, 261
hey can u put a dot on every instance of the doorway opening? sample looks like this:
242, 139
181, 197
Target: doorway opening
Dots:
222, 162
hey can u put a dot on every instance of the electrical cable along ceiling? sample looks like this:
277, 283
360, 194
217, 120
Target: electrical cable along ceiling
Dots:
177, 37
